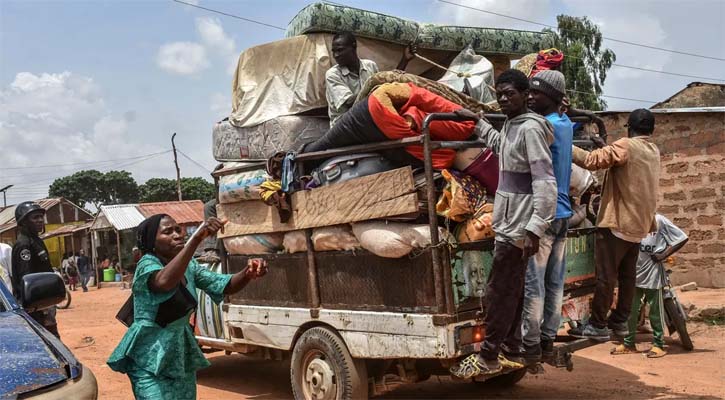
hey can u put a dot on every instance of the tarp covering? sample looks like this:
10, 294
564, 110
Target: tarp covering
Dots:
287, 77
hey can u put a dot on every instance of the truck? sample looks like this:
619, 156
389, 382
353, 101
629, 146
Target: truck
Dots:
354, 325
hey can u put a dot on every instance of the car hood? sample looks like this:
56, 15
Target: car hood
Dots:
26, 361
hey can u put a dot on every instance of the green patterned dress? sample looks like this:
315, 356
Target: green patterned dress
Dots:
162, 362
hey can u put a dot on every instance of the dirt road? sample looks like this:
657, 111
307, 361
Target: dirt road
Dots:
695, 375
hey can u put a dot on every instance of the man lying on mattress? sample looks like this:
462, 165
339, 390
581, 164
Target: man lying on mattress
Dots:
395, 111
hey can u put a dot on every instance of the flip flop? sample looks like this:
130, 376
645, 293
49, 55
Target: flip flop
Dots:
506, 363
656, 352
471, 366
622, 349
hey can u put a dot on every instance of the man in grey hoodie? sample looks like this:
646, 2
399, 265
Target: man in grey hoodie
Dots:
524, 207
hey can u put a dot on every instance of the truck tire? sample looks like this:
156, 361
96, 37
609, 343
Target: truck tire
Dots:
677, 318
323, 369
505, 380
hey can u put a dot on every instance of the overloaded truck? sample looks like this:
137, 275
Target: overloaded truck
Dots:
372, 282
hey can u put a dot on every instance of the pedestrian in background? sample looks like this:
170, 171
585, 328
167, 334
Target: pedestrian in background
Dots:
85, 269
653, 251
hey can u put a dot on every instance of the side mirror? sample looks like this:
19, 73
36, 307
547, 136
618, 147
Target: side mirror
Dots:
42, 290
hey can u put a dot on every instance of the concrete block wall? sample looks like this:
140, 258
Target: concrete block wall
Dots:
692, 188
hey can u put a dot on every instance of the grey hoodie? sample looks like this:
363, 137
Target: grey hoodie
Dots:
526, 195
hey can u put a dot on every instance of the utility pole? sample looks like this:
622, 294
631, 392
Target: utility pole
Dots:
176, 162
5, 189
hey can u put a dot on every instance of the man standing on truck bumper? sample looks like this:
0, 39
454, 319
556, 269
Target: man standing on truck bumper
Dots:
524, 207
544, 287
626, 216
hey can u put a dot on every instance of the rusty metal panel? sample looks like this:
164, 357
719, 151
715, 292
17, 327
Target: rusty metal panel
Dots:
364, 281
183, 212
285, 284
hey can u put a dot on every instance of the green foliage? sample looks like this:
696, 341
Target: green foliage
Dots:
162, 189
585, 61
96, 188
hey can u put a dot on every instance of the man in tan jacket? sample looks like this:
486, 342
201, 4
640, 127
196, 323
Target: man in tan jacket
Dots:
626, 216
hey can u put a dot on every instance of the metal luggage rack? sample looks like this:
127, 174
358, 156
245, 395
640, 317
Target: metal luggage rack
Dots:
444, 307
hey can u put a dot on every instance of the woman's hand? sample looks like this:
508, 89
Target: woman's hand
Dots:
210, 227
256, 268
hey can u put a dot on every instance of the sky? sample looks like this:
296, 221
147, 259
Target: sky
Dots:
104, 84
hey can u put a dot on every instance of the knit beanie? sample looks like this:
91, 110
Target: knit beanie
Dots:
551, 83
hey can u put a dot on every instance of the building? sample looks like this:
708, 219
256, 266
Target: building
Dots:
65, 227
692, 177
113, 231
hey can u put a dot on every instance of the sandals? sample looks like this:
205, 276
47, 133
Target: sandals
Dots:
656, 352
622, 349
508, 363
474, 365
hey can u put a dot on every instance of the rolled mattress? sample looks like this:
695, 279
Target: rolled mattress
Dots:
231, 143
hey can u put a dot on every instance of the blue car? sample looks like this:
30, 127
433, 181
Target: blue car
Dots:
33, 362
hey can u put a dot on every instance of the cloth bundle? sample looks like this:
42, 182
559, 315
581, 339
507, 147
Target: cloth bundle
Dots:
481, 164
462, 198
241, 186
254, 244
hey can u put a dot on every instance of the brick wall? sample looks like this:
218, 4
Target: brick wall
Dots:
692, 188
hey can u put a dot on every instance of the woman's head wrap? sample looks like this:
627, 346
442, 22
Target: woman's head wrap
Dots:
146, 233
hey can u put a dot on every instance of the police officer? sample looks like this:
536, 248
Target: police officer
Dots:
30, 256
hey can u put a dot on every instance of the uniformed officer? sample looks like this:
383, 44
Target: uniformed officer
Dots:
30, 256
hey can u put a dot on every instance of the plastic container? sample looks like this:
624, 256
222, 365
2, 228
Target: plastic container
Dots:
118, 277
109, 275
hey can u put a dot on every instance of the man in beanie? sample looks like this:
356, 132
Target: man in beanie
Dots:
626, 216
545, 271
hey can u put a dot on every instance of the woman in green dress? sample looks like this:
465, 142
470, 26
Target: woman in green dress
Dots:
161, 362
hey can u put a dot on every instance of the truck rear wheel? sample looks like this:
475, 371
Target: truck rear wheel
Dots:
323, 369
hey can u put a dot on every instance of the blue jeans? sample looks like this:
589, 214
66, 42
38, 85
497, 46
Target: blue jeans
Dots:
545, 286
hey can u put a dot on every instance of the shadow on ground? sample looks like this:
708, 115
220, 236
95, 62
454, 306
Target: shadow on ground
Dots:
256, 379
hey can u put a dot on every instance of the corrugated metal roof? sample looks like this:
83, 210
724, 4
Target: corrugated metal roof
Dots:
120, 216
183, 212
65, 230
7, 215
670, 110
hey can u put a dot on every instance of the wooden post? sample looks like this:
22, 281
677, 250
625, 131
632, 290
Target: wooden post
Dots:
118, 247
176, 163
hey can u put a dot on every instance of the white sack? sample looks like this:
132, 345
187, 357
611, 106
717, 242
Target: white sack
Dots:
338, 237
294, 242
391, 239
581, 179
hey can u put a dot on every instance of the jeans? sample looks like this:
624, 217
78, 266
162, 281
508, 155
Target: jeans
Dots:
85, 277
615, 264
545, 286
504, 300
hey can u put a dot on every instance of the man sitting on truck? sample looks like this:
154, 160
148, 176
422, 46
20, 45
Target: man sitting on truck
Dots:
524, 207
344, 80
545, 273
626, 216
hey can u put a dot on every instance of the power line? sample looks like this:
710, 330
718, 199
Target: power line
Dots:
87, 163
231, 15
613, 97
193, 161
570, 30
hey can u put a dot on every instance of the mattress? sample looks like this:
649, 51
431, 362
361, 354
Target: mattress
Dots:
231, 143
484, 40
325, 17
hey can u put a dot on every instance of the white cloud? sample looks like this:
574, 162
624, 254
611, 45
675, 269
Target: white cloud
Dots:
213, 35
59, 118
182, 58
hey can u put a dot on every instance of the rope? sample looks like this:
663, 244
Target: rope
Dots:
435, 64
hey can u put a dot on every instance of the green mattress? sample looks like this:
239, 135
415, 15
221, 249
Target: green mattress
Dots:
325, 17
483, 40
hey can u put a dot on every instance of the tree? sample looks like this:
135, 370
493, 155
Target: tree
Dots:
585, 61
96, 188
162, 189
